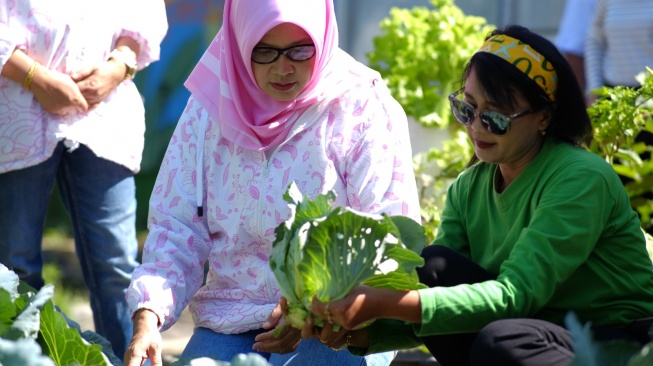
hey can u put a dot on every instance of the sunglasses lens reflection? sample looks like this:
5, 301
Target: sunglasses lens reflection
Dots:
463, 112
494, 122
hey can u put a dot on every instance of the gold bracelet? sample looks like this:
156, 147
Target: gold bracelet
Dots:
30, 75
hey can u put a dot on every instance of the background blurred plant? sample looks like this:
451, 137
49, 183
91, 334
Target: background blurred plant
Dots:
618, 116
421, 53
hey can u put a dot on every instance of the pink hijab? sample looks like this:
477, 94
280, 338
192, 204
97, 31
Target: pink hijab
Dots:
224, 84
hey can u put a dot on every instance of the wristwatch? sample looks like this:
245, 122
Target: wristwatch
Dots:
128, 61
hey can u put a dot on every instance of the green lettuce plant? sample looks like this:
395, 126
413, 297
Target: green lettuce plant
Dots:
33, 332
324, 251
421, 53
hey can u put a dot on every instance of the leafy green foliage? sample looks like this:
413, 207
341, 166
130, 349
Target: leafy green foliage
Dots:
618, 116
34, 332
24, 352
588, 352
421, 53
434, 172
325, 252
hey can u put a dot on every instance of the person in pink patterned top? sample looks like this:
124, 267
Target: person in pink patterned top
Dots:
273, 100
70, 113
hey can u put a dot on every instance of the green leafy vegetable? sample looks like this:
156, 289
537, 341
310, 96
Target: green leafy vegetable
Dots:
34, 332
325, 252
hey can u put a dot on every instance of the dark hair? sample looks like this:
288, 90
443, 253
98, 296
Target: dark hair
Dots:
569, 121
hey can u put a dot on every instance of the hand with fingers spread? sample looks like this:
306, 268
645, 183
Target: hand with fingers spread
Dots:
282, 338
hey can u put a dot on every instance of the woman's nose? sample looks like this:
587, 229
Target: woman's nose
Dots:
283, 66
474, 126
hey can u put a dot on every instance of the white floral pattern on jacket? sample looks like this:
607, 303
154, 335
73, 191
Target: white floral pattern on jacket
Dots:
67, 35
358, 147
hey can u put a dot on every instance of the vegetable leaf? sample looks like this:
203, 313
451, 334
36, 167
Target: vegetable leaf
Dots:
24, 352
325, 252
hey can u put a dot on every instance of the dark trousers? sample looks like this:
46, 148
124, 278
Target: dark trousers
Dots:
505, 342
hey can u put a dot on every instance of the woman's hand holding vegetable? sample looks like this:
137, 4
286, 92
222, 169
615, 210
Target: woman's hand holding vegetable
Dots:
362, 305
335, 339
286, 341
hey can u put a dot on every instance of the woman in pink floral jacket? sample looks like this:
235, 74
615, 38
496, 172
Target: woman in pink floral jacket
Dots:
274, 100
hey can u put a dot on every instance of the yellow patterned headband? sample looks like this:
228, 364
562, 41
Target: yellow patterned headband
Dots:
526, 59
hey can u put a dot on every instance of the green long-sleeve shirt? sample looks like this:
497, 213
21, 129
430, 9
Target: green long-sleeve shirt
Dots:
561, 237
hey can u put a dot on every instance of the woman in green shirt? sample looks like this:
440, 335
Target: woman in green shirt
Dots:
535, 228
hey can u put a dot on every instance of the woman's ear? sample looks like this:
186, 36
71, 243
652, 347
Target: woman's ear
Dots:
547, 114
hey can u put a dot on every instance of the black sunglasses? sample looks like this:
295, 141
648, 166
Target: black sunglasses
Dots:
494, 122
267, 55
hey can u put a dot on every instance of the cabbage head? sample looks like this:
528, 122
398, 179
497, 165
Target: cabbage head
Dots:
326, 251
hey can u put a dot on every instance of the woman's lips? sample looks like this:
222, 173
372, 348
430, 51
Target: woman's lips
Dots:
482, 144
283, 87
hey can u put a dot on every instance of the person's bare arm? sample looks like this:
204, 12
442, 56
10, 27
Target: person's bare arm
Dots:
146, 343
362, 305
56, 92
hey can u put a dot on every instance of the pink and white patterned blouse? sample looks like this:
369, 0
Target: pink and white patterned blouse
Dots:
356, 145
66, 35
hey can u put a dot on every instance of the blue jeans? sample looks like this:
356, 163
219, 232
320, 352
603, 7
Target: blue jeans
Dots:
100, 197
207, 343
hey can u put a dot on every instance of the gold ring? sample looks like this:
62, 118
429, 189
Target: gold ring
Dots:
327, 313
323, 342
345, 345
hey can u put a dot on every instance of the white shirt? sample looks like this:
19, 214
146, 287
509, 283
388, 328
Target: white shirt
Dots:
620, 43
66, 35
574, 26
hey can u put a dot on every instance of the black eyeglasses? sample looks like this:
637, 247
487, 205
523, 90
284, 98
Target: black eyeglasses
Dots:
267, 55
494, 122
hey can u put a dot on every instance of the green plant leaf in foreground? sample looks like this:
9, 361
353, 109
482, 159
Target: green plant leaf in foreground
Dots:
29, 305
23, 352
284, 260
353, 247
64, 344
610, 353
325, 252
7, 311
